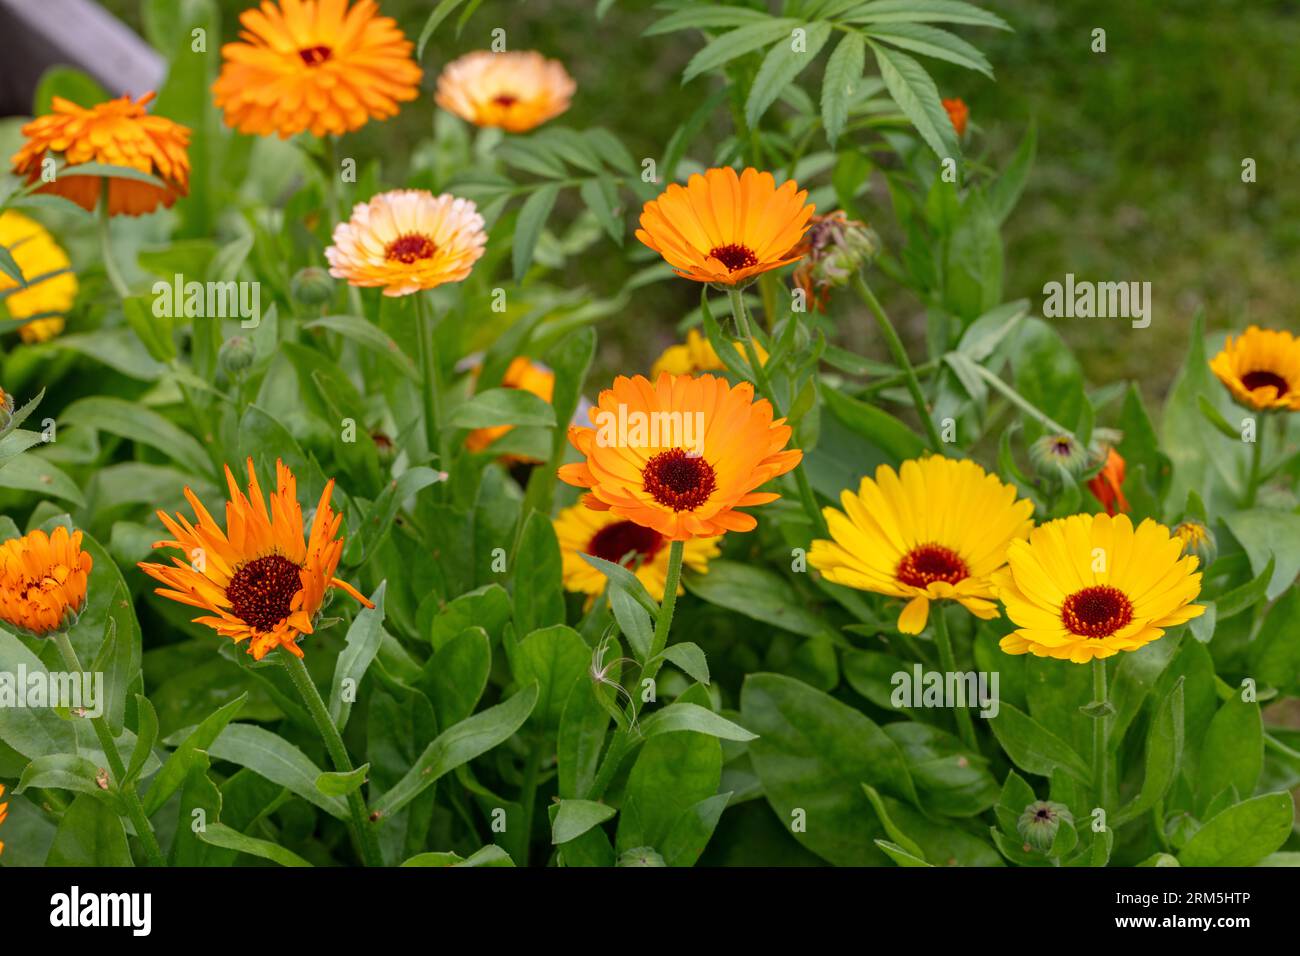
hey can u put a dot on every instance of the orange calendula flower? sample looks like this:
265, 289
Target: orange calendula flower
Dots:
1107, 486
523, 373
4, 812
116, 133
258, 579
516, 91
318, 66
725, 228
680, 455
407, 240
1261, 367
959, 113
43, 580
697, 355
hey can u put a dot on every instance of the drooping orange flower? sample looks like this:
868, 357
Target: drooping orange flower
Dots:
959, 113
407, 240
516, 91
525, 374
116, 133
43, 580
1261, 367
680, 455
725, 228
1107, 486
314, 65
258, 579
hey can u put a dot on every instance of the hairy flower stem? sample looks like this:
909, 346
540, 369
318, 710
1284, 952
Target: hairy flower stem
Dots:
134, 808
948, 661
1026, 406
364, 834
1100, 733
431, 379
106, 247
1252, 480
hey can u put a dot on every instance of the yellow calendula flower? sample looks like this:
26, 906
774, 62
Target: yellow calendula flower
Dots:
935, 530
117, 133
43, 580
1261, 367
259, 580
407, 240
725, 228
696, 355
1090, 586
525, 374
604, 534
516, 91
52, 285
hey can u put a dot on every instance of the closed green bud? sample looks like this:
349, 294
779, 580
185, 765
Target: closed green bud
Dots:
1039, 824
236, 355
311, 286
1054, 453
641, 856
1198, 541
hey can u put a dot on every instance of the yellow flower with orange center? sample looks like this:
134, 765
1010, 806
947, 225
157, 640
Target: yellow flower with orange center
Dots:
51, 284
959, 113
680, 455
525, 374
724, 228
516, 91
937, 529
1261, 368
117, 133
603, 534
407, 240
43, 580
697, 355
318, 66
1090, 586
258, 579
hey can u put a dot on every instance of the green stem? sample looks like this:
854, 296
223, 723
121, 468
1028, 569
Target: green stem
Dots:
431, 380
901, 360
106, 247
1256, 457
364, 833
528, 791
1100, 734
134, 808
948, 661
1026, 406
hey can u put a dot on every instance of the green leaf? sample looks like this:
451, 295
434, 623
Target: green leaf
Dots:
899, 855
693, 830
925, 11
371, 337
1034, 748
458, 675
532, 217
624, 580
841, 83
503, 406
487, 607
882, 814
443, 10
146, 735
878, 427
1004, 192
1164, 754
690, 659
705, 17
1247, 595
757, 593
583, 724
1267, 534
90, 834
360, 648
1232, 754
191, 750
555, 659
218, 834
672, 773
1275, 652
154, 331
601, 197
933, 42
686, 716
736, 43
271, 756
132, 420
63, 772
576, 817
916, 95
1241, 835
340, 783
539, 593
780, 67
70, 84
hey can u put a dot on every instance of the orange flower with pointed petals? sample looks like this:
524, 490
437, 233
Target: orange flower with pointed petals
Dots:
516, 91
43, 581
725, 228
318, 66
959, 113
117, 133
680, 455
1107, 486
258, 579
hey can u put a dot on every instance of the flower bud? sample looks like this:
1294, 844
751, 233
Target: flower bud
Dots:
1040, 822
641, 856
311, 286
236, 355
1198, 541
834, 249
1053, 453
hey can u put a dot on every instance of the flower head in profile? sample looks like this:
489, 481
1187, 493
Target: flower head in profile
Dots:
407, 240
43, 580
959, 113
51, 284
833, 250
258, 580
696, 355
680, 455
316, 65
936, 529
516, 91
1261, 368
725, 228
1092, 585
1198, 541
603, 534
117, 133
522, 373
1107, 486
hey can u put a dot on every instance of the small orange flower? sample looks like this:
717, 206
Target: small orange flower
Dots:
959, 113
116, 133
516, 91
523, 373
4, 812
259, 580
318, 66
724, 228
43, 580
1261, 367
1107, 486
680, 455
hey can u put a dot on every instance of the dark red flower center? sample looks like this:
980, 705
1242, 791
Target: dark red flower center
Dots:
928, 563
505, 100
1254, 380
261, 591
1098, 611
679, 480
734, 256
315, 55
625, 539
410, 248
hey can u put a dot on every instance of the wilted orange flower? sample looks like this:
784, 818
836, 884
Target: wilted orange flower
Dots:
726, 229
697, 355
43, 580
959, 113
680, 455
407, 240
516, 91
1261, 368
523, 373
258, 579
834, 249
318, 66
116, 133
1107, 486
